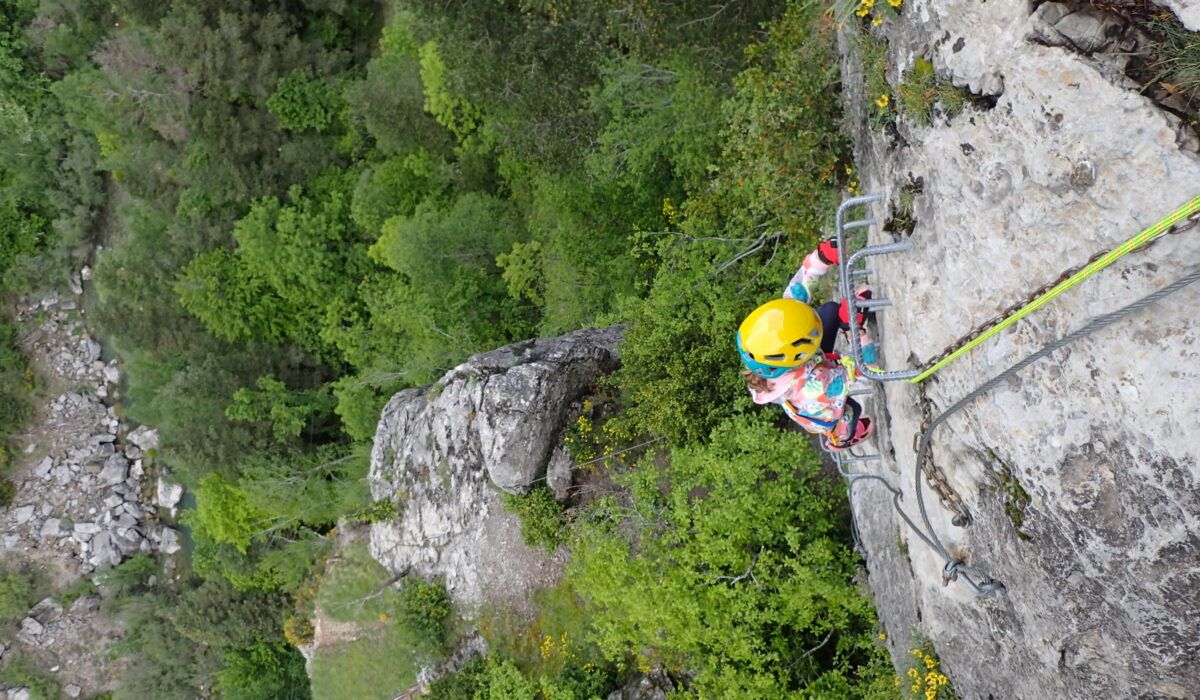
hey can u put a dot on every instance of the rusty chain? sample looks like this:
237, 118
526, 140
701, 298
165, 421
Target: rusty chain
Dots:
933, 474
999, 318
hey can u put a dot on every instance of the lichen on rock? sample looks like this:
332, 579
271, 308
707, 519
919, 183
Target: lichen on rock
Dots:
445, 451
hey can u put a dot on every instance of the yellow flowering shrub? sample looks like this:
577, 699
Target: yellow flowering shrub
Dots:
924, 677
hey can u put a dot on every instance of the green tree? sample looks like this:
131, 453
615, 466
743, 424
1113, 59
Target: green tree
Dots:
395, 187
224, 513
288, 412
302, 102
730, 563
219, 615
263, 670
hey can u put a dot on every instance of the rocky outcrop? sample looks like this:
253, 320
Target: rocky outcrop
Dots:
443, 451
1081, 473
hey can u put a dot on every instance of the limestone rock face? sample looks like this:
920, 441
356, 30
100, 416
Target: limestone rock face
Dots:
443, 451
1081, 473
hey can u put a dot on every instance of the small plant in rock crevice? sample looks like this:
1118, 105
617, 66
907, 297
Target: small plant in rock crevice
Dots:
874, 57
1176, 54
923, 94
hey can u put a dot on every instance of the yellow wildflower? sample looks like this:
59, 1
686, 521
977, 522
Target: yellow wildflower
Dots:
895, 3
883, 635
878, 20
862, 11
882, 102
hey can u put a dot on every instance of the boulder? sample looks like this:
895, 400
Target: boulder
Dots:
144, 437
31, 628
167, 494
493, 421
52, 529
104, 552
115, 471
87, 529
169, 541
23, 514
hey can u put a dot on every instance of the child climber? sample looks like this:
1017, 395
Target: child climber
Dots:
787, 348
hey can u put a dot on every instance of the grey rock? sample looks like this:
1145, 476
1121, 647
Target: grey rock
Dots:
72, 690
52, 529
88, 529
497, 417
85, 606
104, 552
46, 611
43, 468
1091, 30
144, 437
20, 694
169, 541
654, 686
112, 375
128, 540
31, 628
93, 350
23, 514
559, 473
116, 470
103, 438
113, 501
167, 494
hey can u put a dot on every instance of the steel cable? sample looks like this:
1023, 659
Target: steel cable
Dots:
953, 568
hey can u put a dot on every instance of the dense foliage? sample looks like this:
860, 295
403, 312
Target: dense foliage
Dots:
306, 206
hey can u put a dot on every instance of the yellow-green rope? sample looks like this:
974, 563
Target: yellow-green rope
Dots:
1150, 234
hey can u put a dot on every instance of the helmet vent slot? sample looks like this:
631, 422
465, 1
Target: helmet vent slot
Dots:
802, 341
775, 357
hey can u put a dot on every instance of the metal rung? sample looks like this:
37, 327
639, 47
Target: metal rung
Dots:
847, 272
859, 458
860, 273
861, 223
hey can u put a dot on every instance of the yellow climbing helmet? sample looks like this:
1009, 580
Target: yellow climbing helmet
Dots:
778, 336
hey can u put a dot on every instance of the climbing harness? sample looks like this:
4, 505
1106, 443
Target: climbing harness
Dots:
1182, 219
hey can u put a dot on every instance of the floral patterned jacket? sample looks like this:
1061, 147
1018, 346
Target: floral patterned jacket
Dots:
814, 394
